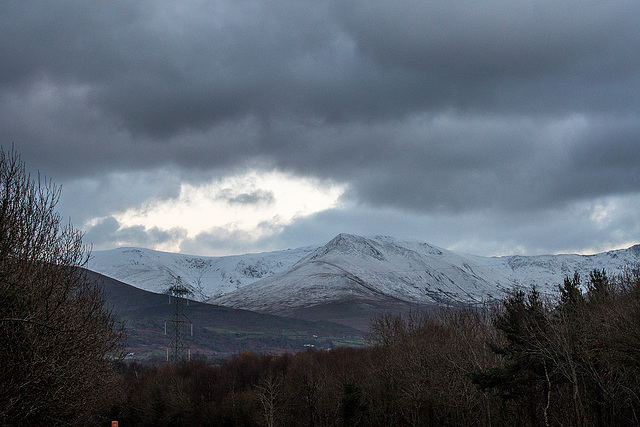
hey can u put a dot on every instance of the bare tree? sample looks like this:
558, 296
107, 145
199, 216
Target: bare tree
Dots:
57, 335
268, 391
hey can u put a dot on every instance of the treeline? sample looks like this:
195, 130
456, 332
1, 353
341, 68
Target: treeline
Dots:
572, 359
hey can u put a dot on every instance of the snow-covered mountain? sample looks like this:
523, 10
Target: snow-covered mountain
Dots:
367, 269
350, 268
206, 277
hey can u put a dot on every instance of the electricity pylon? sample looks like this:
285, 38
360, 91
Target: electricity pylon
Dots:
179, 347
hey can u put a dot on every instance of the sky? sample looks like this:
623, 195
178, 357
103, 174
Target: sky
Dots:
221, 127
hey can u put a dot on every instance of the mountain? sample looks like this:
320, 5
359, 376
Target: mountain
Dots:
386, 272
355, 268
206, 277
351, 277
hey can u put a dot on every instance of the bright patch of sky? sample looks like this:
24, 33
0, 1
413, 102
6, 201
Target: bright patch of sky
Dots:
240, 203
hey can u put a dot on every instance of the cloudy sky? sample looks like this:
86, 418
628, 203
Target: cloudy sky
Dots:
219, 127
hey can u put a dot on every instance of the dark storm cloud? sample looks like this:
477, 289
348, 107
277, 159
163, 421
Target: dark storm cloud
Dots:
456, 163
491, 39
161, 68
436, 107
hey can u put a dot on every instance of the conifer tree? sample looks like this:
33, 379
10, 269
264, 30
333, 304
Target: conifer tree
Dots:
523, 376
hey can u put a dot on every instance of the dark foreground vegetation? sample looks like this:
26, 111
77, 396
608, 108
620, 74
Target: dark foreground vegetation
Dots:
58, 339
570, 360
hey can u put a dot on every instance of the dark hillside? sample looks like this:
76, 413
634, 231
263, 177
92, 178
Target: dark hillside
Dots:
358, 313
217, 331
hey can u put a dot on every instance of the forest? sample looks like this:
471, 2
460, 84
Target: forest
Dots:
570, 359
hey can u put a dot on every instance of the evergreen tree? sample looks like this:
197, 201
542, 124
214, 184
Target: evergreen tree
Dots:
571, 297
523, 376
599, 290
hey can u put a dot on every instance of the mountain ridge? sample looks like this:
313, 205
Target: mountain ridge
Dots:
366, 272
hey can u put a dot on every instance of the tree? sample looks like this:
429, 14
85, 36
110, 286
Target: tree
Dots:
525, 373
267, 391
57, 334
599, 289
423, 363
571, 298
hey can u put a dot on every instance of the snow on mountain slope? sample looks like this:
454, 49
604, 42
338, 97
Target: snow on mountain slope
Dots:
350, 268
206, 277
353, 267
357, 268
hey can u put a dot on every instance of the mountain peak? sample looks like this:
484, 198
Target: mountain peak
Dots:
348, 244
